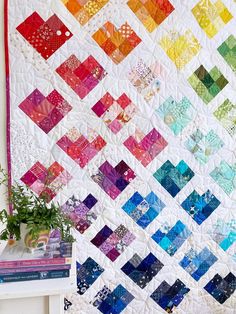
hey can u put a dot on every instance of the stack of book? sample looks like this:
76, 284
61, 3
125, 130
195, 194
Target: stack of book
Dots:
18, 264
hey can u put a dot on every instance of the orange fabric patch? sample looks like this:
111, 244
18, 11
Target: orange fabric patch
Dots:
73, 6
116, 43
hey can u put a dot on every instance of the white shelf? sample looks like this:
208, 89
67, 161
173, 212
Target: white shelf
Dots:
38, 288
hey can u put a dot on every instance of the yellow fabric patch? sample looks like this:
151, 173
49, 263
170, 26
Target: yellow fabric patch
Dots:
180, 48
211, 17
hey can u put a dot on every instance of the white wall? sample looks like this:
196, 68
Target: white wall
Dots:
21, 306
33, 305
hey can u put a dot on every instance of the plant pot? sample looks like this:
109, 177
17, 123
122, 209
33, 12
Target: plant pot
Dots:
33, 244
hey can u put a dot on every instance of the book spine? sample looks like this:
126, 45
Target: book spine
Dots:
40, 275
36, 262
32, 269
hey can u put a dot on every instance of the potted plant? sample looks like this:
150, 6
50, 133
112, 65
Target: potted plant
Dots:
32, 219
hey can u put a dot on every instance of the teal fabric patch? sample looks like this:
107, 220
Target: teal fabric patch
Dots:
176, 115
204, 146
224, 175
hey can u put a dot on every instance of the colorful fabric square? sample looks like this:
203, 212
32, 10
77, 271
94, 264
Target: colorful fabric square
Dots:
113, 243
115, 113
228, 51
145, 147
221, 288
81, 147
211, 17
172, 178
176, 115
100, 296
207, 84
146, 79
180, 48
151, 13
84, 10
171, 239
200, 207
169, 297
107, 301
84, 213
46, 112
116, 43
198, 264
113, 180
142, 271
224, 233
87, 274
204, 146
226, 114
44, 36
143, 210
82, 77
224, 175
46, 182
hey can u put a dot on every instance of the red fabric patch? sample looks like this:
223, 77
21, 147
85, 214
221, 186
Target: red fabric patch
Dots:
45, 37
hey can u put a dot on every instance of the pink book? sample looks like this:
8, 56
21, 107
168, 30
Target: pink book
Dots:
31, 269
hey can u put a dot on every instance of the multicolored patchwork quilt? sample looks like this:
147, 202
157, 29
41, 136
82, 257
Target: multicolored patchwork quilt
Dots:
124, 112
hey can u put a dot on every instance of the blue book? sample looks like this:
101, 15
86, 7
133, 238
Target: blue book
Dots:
34, 275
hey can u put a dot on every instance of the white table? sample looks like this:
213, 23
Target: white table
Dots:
54, 289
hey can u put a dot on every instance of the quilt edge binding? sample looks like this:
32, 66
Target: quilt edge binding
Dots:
7, 82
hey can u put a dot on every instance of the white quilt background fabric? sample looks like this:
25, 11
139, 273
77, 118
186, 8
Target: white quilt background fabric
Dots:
29, 144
